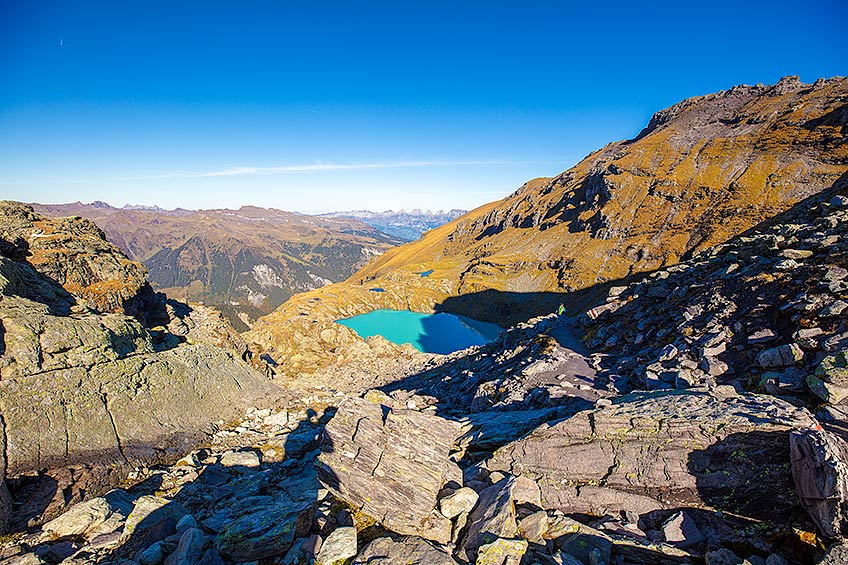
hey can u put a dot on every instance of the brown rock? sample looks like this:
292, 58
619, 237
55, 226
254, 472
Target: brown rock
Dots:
655, 449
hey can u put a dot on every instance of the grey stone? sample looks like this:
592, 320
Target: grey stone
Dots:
788, 381
186, 521
582, 542
533, 527
837, 554
713, 366
152, 555
797, 254
680, 529
834, 274
247, 459
266, 532
668, 445
279, 419
819, 461
780, 356
459, 501
787, 265
190, 548
339, 546
492, 518
830, 381
88, 519
669, 352
834, 309
762, 336
409, 550
502, 552
390, 465
153, 515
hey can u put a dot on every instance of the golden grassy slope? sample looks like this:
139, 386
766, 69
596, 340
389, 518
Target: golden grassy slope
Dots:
702, 171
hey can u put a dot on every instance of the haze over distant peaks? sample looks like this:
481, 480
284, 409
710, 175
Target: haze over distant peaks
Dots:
404, 225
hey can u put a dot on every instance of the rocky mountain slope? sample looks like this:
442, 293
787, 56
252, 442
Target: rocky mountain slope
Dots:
701, 172
703, 425
245, 262
406, 226
701, 422
87, 390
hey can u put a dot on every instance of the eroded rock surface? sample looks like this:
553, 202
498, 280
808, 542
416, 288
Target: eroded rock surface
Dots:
391, 465
649, 451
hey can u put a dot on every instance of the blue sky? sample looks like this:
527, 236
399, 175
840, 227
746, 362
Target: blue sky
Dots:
317, 106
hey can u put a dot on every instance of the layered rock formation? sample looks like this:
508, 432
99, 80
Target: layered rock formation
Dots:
767, 311
86, 395
701, 172
75, 254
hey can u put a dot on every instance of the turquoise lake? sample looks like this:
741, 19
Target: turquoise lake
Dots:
430, 333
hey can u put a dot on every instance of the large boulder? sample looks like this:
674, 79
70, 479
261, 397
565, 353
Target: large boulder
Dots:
86, 396
820, 469
37, 341
493, 518
390, 465
649, 451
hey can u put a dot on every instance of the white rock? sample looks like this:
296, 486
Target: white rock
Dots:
459, 501
339, 546
247, 459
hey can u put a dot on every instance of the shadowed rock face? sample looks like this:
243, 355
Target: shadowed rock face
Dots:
820, 470
702, 171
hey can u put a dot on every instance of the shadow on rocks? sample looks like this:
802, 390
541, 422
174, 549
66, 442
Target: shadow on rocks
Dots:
746, 479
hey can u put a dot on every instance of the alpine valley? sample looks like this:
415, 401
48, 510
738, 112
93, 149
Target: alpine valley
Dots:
689, 406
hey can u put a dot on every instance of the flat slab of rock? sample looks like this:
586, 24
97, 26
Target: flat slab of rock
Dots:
390, 465
653, 450
91, 518
409, 550
114, 411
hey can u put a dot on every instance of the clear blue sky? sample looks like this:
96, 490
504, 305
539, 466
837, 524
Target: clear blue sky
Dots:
313, 106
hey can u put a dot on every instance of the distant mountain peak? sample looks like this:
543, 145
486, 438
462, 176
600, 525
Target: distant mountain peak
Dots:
405, 225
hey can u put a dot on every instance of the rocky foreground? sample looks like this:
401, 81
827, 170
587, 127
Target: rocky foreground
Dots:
703, 424
99, 374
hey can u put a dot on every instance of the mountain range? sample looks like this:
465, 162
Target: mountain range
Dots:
700, 172
406, 226
245, 262
698, 414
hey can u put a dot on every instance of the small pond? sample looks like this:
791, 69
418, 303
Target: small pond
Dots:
430, 333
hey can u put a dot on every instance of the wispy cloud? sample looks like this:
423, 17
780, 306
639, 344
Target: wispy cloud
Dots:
316, 167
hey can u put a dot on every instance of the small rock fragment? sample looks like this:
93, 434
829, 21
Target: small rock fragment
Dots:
339, 546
